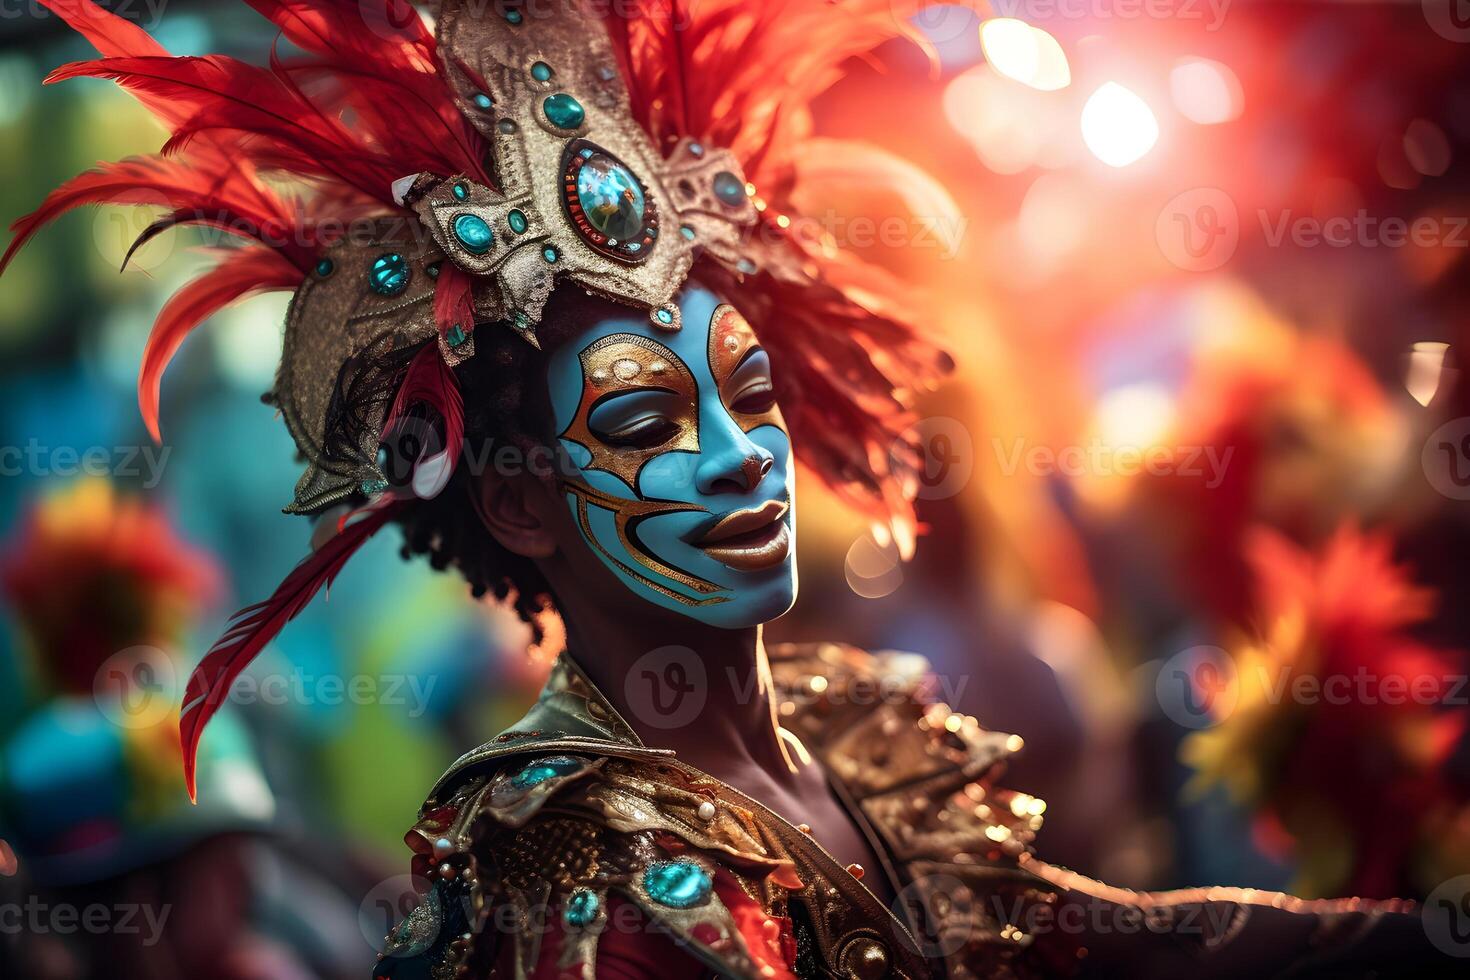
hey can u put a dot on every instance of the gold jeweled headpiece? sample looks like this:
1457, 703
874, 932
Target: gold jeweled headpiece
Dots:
581, 194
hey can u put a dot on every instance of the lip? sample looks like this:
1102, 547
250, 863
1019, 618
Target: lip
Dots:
748, 540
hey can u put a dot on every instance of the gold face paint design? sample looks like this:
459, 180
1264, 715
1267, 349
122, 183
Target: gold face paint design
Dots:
629, 362
627, 512
731, 337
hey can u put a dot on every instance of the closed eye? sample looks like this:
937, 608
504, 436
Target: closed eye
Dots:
750, 389
638, 419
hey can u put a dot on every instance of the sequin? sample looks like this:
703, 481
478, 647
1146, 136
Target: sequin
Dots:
473, 233
679, 884
582, 908
389, 274
563, 111
541, 770
729, 189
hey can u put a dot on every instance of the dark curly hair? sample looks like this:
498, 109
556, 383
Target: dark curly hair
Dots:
505, 405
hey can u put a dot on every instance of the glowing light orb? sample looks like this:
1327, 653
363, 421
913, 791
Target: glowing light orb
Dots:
1025, 54
1118, 126
1205, 92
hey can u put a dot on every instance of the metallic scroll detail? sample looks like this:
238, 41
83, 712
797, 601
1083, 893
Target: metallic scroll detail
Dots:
626, 515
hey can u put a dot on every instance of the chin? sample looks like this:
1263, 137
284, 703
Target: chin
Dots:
755, 605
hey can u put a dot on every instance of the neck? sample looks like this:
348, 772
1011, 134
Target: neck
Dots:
702, 691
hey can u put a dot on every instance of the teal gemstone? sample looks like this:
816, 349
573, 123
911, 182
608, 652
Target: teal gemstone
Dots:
541, 71
473, 233
541, 770
517, 221
370, 487
550, 254
563, 111
611, 197
389, 274
433, 269
679, 884
513, 16
729, 189
483, 101
455, 335
687, 232
461, 192
324, 268
746, 266
581, 908
663, 316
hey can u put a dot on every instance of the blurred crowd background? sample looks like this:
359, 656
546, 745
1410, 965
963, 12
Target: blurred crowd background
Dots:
1194, 498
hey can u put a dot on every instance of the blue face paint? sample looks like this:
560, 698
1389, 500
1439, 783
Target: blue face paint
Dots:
683, 463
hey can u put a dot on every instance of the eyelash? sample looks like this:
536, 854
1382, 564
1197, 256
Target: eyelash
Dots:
763, 387
634, 435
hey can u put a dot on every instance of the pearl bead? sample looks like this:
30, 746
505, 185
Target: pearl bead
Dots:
706, 811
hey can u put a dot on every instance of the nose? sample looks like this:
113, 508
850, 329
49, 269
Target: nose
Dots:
736, 465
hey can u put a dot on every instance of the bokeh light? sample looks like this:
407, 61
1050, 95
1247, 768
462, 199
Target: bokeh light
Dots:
1025, 54
1118, 126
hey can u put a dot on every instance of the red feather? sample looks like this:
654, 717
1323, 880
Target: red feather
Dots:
430, 382
704, 68
239, 274
254, 626
228, 198
454, 299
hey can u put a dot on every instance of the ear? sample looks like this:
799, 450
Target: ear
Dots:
510, 508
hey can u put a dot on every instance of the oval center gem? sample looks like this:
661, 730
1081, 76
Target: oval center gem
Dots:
473, 233
679, 884
563, 111
611, 197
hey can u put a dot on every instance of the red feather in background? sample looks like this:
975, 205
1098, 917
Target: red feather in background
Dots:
254, 626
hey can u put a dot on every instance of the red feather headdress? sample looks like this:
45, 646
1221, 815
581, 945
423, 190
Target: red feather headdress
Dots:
373, 117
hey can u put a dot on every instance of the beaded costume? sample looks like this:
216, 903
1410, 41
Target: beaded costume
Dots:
450, 181
534, 847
